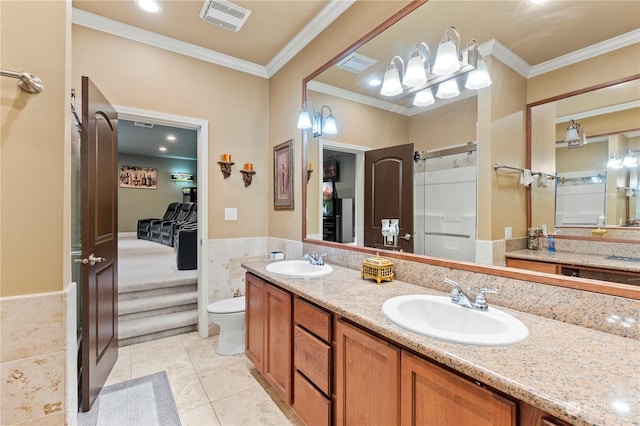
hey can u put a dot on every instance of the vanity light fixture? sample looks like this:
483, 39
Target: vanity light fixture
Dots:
614, 162
424, 98
450, 65
479, 78
391, 85
631, 159
310, 119
575, 136
448, 57
448, 89
417, 67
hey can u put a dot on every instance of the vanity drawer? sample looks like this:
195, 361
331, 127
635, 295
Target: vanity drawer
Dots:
311, 405
312, 358
315, 320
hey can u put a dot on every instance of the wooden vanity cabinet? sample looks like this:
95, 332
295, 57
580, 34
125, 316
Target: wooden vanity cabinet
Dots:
367, 378
532, 265
268, 333
434, 396
312, 363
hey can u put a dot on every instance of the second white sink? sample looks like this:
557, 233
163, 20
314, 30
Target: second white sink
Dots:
436, 316
298, 268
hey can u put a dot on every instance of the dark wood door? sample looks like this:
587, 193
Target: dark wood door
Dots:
99, 345
388, 194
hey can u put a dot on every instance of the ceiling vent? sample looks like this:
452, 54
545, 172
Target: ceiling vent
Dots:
143, 124
356, 63
224, 14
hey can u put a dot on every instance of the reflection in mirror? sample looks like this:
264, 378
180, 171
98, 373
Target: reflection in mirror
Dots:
591, 188
491, 119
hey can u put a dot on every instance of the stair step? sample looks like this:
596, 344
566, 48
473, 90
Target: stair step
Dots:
158, 335
156, 284
153, 303
156, 324
156, 292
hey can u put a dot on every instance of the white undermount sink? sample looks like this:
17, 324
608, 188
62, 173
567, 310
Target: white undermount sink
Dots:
437, 316
299, 268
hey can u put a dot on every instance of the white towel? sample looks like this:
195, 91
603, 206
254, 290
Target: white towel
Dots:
526, 179
543, 180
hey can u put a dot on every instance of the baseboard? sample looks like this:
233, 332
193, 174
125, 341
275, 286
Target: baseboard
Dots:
128, 234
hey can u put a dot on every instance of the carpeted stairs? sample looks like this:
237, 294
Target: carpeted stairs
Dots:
155, 300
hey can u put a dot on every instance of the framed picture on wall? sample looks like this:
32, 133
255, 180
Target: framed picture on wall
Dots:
283, 176
138, 177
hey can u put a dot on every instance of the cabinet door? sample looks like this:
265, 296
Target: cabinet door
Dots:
254, 323
432, 395
531, 265
367, 378
277, 354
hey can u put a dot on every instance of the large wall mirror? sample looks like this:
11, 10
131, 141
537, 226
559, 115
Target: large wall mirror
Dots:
341, 210
597, 176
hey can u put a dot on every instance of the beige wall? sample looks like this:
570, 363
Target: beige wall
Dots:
543, 159
285, 94
501, 140
35, 150
137, 203
234, 103
618, 64
453, 124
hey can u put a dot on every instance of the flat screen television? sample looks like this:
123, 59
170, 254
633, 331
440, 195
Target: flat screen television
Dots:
328, 200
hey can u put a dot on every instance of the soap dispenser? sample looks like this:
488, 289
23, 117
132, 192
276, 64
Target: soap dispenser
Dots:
551, 243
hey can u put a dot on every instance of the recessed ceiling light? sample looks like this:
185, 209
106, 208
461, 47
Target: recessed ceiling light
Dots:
149, 5
171, 138
162, 148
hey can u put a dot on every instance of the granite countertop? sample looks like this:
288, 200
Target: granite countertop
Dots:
578, 259
576, 374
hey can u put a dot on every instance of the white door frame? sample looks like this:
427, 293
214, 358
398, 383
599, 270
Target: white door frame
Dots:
202, 129
359, 190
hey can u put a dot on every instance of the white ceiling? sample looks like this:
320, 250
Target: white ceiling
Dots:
138, 140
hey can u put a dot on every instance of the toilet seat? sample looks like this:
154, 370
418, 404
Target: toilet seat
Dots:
227, 306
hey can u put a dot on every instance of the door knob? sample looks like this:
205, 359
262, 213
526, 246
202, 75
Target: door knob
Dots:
91, 260
406, 236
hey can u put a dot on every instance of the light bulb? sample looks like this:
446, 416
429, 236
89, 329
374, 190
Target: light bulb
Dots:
446, 59
415, 76
448, 89
479, 78
424, 98
391, 85
329, 127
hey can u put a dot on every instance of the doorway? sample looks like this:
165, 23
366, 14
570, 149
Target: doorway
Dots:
202, 129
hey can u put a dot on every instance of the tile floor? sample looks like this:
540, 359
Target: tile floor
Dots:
209, 389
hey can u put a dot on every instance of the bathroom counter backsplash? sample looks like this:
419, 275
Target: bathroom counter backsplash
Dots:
631, 264
577, 374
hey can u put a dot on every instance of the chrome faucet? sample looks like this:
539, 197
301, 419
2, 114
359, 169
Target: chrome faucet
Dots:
314, 259
459, 297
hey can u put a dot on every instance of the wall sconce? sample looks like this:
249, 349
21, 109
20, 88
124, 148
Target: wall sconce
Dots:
225, 165
614, 162
575, 136
310, 119
450, 64
247, 174
309, 171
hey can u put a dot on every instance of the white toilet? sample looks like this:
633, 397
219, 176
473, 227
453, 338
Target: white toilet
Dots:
229, 315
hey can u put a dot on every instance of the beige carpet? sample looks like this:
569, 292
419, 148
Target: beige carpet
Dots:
144, 264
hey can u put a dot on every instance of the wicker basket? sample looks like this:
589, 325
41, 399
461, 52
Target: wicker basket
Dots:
377, 268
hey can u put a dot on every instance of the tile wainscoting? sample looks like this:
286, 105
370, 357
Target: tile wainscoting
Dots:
38, 358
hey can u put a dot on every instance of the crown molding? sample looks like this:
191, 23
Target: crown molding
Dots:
321, 21
588, 52
328, 89
599, 111
100, 23
499, 51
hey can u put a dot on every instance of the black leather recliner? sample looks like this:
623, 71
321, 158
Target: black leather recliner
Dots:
144, 225
187, 247
169, 230
181, 216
